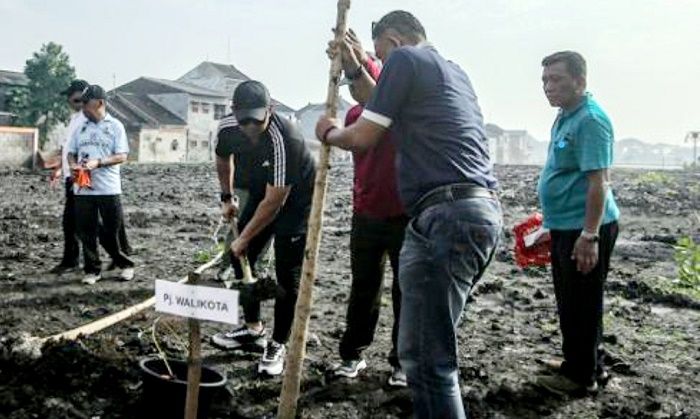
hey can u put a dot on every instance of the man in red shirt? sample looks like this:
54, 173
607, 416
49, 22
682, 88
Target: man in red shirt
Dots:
378, 224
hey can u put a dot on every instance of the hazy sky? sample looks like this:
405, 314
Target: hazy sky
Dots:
643, 55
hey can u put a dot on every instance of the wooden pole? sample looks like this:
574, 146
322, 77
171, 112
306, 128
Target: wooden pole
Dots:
297, 344
107, 321
194, 363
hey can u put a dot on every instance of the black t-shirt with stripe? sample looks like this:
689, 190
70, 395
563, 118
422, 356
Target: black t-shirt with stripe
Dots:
279, 158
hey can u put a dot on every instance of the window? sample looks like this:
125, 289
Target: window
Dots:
159, 140
205, 107
195, 107
204, 144
193, 144
174, 144
219, 111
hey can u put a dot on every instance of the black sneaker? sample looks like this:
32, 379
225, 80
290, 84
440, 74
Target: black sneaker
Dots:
561, 385
350, 368
61, 269
241, 338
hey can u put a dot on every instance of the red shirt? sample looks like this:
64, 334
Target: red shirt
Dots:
374, 191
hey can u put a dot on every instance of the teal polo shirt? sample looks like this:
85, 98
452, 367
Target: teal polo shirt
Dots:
582, 141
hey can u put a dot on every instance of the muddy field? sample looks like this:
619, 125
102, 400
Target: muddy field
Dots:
652, 324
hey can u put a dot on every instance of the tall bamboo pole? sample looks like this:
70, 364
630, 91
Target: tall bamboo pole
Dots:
297, 344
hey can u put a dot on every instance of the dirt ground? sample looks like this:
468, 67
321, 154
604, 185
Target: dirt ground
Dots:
652, 324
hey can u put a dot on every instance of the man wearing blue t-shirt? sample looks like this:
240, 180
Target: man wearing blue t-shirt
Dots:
447, 187
100, 145
579, 209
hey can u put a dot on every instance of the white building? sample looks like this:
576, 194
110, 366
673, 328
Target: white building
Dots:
176, 121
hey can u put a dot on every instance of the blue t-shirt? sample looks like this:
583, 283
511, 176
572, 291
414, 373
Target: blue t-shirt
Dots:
582, 141
97, 141
430, 104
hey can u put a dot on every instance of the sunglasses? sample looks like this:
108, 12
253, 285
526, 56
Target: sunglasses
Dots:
248, 121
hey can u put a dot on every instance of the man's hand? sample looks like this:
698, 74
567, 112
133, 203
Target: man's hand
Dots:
239, 247
585, 254
324, 124
229, 210
92, 164
55, 178
350, 60
360, 53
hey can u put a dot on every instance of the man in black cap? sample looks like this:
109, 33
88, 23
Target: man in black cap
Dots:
272, 150
71, 248
99, 146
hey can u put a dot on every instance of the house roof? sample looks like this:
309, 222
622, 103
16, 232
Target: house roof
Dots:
343, 105
137, 109
157, 86
223, 78
13, 78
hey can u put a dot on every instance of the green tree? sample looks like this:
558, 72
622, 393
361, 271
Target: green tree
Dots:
41, 103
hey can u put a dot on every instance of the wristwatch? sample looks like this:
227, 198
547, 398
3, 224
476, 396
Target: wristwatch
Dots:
226, 197
591, 237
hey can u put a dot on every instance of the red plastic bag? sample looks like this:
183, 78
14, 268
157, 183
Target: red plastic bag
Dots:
537, 254
82, 178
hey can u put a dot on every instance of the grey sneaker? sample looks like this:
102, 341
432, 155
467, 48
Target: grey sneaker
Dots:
397, 378
350, 368
126, 274
272, 361
240, 338
561, 385
91, 279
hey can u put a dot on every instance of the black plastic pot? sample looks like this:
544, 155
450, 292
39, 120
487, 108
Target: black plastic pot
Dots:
164, 397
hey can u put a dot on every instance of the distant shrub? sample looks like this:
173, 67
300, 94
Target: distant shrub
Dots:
654, 179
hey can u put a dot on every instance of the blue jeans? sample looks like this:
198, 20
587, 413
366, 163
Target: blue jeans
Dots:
446, 250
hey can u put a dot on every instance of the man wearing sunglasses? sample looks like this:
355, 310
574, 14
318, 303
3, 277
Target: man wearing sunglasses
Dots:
446, 184
99, 145
281, 180
71, 249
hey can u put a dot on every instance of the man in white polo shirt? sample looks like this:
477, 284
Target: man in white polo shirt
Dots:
99, 146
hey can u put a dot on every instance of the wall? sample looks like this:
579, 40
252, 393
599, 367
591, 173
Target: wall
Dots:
202, 128
18, 146
164, 145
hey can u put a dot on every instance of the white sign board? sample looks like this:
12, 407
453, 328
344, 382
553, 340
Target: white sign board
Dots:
203, 303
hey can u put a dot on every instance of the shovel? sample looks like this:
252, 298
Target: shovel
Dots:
260, 289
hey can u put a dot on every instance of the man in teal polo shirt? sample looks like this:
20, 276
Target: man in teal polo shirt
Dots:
580, 210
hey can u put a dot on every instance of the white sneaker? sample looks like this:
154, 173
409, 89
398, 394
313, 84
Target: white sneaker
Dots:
127, 274
272, 361
241, 337
350, 368
397, 378
91, 279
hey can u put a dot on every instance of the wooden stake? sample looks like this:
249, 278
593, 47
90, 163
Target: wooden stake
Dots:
107, 321
297, 344
194, 363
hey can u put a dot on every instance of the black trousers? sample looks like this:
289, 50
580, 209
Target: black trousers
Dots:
71, 245
71, 248
89, 211
289, 256
371, 241
580, 302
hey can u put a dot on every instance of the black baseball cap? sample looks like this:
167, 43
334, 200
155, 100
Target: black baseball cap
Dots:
75, 86
93, 91
251, 100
